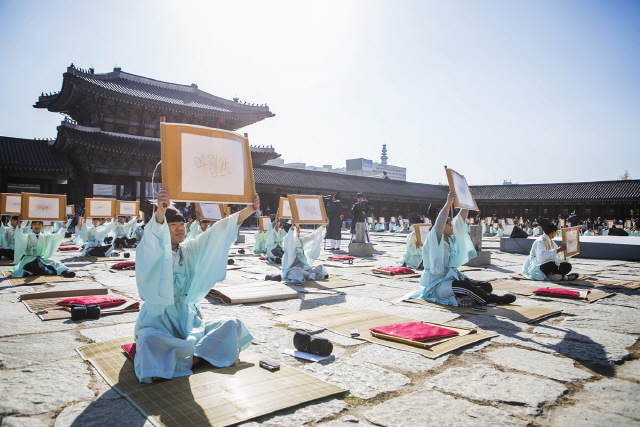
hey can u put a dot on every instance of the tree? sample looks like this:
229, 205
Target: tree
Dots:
625, 176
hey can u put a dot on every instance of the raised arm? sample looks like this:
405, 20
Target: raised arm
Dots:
441, 220
250, 209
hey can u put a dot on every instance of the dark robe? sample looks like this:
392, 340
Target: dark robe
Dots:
359, 213
334, 210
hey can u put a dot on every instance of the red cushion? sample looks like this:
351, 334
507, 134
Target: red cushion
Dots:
559, 292
397, 270
68, 248
415, 331
263, 258
123, 265
341, 257
130, 349
102, 300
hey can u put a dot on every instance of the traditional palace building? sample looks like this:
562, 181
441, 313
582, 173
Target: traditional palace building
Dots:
111, 136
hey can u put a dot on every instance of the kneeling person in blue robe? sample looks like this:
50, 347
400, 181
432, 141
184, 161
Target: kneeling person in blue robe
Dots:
173, 276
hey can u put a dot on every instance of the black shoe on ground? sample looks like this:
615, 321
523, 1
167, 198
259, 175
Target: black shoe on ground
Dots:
68, 274
506, 299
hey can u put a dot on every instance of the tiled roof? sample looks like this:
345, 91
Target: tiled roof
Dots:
288, 179
144, 88
18, 153
570, 191
109, 141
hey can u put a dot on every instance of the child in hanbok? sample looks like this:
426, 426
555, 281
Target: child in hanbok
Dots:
122, 230
7, 239
300, 253
412, 256
448, 247
92, 238
173, 276
260, 242
545, 260
34, 249
274, 245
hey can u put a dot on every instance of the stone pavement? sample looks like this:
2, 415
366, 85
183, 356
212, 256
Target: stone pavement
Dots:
579, 368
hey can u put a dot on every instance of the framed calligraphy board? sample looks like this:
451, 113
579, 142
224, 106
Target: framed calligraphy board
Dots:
561, 222
571, 239
70, 210
284, 209
201, 164
43, 207
381, 220
422, 232
211, 211
627, 224
127, 208
307, 209
369, 220
464, 197
10, 204
264, 223
609, 222
100, 208
392, 219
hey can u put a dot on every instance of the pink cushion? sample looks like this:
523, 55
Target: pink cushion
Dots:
341, 257
102, 300
68, 248
124, 265
415, 331
130, 349
263, 258
397, 270
558, 292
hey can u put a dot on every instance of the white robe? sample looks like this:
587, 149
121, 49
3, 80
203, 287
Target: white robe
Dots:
170, 330
413, 254
28, 247
299, 254
542, 251
91, 236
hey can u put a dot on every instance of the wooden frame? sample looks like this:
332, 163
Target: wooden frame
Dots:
141, 215
627, 224
99, 208
211, 211
571, 238
43, 207
127, 208
284, 209
10, 204
393, 219
201, 164
369, 220
70, 210
264, 222
609, 223
561, 222
307, 209
464, 196
381, 220
421, 234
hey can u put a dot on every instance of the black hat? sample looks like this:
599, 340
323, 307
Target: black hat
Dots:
337, 196
360, 195
173, 215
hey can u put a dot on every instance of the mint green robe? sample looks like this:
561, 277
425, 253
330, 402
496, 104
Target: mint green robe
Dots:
28, 248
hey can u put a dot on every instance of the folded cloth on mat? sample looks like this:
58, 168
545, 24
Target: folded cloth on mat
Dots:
68, 248
396, 270
558, 292
341, 257
101, 300
124, 265
130, 349
414, 331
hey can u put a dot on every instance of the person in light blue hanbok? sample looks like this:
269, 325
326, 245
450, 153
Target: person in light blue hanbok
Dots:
412, 256
173, 276
34, 249
7, 239
91, 237
546, 260
400, 225
122, 230
274, 245
449, 246
300, 253
260, 242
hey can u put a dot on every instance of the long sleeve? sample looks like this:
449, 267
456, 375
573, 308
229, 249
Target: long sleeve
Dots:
464, 250
209, 253
53, 242
154, 266
103, 231
20, 241
441, 221
311, 244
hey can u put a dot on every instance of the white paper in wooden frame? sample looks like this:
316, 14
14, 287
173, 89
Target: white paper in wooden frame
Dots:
284, 209
11, 204
571, 238
458, 183
201, 164
264, 222
422, 232
307, 209
211, 211
126, 208
100, 208
43, 207
70, 210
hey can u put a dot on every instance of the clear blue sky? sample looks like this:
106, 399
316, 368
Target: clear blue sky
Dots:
535, 91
